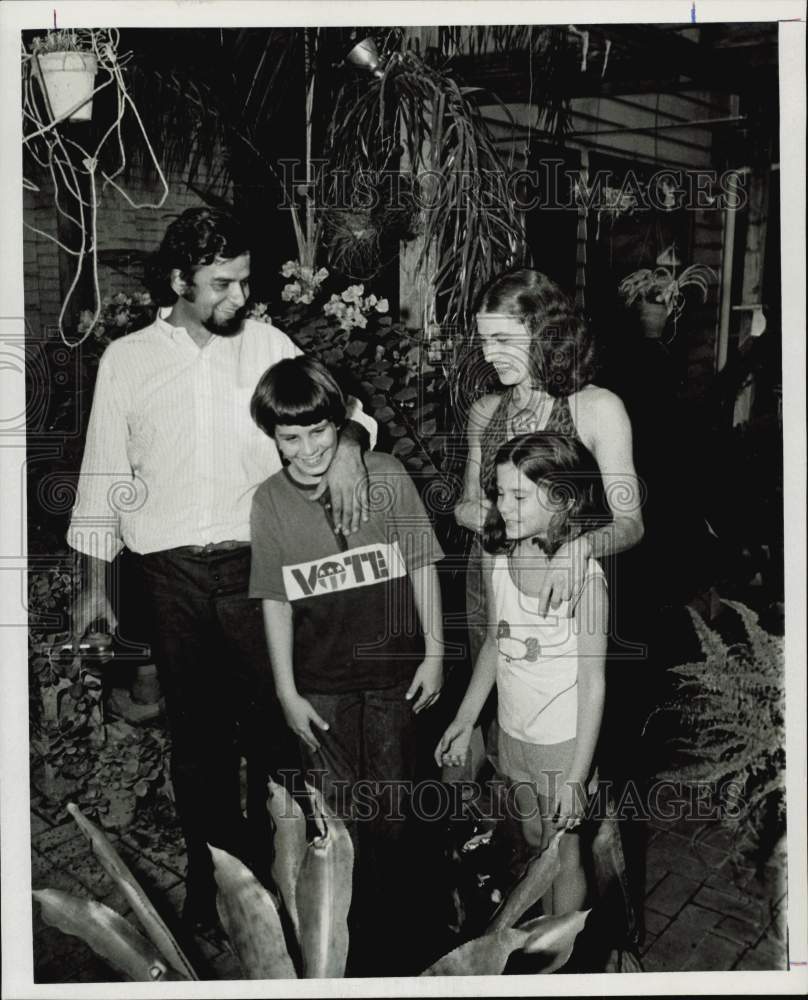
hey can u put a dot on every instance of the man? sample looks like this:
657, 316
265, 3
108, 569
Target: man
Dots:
171, 461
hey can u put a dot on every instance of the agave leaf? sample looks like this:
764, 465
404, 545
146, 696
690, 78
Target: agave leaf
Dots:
290, 845
323, 895
483, 956
623, 960
540, 875
250, 917
107, 933
553, 937
117, 869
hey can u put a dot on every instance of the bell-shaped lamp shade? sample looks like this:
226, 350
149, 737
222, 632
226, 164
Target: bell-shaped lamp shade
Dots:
365, 55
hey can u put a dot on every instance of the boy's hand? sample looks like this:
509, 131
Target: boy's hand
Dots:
453, 747
429, 679
347, 481
565, 575
300, 714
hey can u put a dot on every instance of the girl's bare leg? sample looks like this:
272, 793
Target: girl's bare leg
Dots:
529, 815
569, 888
568, 892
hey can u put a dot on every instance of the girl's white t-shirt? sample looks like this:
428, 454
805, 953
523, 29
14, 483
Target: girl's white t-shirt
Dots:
537, 662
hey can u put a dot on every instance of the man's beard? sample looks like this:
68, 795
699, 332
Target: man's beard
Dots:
228, 327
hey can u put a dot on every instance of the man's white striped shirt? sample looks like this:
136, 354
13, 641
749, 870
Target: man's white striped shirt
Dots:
172, 456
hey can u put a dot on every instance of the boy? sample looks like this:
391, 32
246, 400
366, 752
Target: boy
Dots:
353, 623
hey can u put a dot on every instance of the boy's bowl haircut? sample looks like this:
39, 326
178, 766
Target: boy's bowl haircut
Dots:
297, 391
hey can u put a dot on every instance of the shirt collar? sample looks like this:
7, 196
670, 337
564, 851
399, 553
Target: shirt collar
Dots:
175, 332
180, 335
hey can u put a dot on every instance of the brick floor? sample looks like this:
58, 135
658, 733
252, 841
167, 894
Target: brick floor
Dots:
710, 913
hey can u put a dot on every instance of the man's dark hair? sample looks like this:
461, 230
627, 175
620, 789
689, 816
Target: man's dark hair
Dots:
198, 237
299, 391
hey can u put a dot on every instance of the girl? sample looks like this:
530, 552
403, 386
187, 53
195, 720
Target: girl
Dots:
549, 670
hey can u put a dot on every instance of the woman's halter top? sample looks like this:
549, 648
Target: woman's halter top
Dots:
497, 433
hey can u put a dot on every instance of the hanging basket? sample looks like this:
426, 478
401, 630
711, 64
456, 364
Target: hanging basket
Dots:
653, 316
68, 78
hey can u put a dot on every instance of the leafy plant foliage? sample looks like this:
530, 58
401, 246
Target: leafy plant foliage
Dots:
313, 880
728, 723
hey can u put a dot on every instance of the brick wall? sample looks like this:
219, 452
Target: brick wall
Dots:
119, 226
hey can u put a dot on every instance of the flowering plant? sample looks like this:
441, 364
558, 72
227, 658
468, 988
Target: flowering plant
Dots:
120, 314
352, 307
354, 330
306, 284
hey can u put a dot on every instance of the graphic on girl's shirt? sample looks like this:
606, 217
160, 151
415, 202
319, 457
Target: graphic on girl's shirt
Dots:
516, 649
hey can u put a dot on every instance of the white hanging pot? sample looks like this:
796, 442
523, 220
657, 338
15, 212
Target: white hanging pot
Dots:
69, 78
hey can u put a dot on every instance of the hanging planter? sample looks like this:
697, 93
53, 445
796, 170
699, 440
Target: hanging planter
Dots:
68, 78
658, 293
653, 317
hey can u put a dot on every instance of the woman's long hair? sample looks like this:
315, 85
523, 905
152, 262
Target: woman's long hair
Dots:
561, 352
569, 473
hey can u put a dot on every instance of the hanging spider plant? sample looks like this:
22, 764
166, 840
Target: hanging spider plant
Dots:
663, 286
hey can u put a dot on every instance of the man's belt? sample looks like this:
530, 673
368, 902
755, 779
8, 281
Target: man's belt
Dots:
203, 550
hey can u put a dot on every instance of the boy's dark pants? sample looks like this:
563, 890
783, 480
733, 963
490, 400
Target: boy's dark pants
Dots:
367, 757
209, 646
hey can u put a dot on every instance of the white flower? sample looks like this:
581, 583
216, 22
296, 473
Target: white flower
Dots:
289, 269
85, 319
353, 293
334, 307
382, 306
307, 297
321, 275
291, 292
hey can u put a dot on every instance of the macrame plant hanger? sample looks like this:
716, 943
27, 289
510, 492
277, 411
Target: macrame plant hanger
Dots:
53, 152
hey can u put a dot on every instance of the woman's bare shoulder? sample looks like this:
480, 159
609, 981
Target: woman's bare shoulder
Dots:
597, 401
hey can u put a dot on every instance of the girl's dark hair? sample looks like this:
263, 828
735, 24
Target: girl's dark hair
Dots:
569, 473
562, 352
196, 238
297, 390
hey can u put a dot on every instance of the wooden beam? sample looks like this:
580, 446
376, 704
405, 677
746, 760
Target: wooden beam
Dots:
642, 59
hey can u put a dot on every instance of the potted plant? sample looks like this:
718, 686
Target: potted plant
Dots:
659, 292
66, 67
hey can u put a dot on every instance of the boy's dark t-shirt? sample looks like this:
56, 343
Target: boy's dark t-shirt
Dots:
355, 622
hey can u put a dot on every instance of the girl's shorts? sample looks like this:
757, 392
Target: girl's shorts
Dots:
543, 765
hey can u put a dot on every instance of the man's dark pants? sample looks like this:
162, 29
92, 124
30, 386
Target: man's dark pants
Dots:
209, 645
